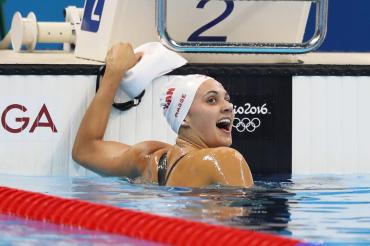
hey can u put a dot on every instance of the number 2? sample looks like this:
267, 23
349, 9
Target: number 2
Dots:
196, 36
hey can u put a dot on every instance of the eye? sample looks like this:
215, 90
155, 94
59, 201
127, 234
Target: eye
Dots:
211, 100
227, 98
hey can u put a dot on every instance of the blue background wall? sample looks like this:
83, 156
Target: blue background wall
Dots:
349, 20
45, 11
348, 26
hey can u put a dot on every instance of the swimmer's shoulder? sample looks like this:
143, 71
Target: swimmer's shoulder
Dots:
222, 165
225, 166
219, 154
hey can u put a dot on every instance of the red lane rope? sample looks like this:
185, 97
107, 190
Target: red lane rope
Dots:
140, 225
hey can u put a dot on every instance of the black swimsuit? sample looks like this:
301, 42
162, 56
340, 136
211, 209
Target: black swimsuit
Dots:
162, 169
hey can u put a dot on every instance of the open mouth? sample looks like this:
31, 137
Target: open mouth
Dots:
224, 124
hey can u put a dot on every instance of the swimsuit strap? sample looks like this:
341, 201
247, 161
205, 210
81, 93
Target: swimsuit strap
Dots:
174, 164
162, 169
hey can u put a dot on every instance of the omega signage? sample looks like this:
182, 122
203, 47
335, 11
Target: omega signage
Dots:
16, 118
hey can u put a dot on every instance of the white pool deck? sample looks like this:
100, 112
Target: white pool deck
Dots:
61, 57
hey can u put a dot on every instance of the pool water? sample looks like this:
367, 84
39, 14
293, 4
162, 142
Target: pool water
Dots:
330, 210
15, 231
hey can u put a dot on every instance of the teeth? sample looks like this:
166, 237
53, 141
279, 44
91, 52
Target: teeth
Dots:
228, 121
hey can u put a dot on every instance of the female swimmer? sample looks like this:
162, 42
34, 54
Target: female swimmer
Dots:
196, 107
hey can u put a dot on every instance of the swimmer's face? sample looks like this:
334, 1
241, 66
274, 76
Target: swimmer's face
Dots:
211, 114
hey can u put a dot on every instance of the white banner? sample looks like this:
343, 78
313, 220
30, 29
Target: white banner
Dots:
39, 119
331, 121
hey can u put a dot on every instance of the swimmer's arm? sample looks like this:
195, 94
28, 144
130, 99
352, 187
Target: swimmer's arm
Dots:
89, 149
116, 159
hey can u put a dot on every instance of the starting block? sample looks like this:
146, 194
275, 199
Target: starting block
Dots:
105, 23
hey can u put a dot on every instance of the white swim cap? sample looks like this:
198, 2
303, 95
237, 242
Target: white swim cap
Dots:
178, 96
156, 61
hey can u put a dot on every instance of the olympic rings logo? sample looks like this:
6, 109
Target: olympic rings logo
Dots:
246, 124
